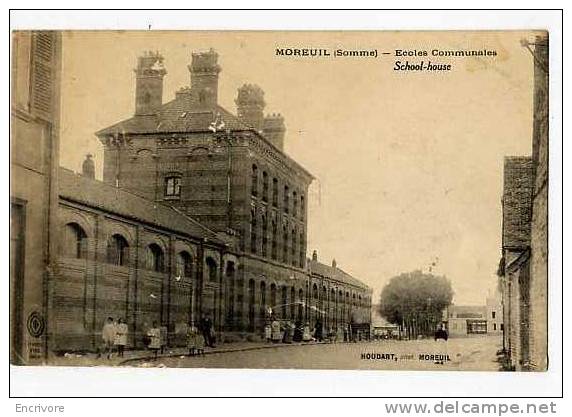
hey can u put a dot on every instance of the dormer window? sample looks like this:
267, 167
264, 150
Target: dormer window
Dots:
173, 186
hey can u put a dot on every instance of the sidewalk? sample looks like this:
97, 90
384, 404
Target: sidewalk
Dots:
131, 356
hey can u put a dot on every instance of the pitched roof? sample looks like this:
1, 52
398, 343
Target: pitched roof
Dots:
97, 194
334, 273
175, 116
517, 201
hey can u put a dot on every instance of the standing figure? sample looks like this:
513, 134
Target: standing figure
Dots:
268, 332
306, 334
441, 337
108, 337
154, 334
192, 336
120, 341
298, 331
319, 331
288, 330
276, 334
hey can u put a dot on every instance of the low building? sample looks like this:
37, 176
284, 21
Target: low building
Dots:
465, 320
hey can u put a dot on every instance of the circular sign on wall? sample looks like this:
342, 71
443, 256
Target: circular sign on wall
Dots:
36, 324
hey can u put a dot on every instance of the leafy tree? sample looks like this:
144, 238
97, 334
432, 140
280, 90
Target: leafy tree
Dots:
415, 301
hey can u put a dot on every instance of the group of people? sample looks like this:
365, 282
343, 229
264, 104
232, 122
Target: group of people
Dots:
114, 337
288, 332
201, 336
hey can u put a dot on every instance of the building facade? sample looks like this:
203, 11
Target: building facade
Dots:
466, 320
36, 57
523, 269
200, 214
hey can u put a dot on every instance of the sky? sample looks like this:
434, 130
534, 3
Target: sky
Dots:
408, 165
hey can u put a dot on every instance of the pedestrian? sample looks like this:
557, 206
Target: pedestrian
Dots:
268, 332
192, 336
332, 335
288, 332
199, 343
319, 331
340, 334
441, 337
306, 334
298, 331
120, 341
276, 333
164, 338
206, 325
154, 334
107, 337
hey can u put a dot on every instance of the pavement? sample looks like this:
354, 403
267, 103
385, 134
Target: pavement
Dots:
137, 356
475, 353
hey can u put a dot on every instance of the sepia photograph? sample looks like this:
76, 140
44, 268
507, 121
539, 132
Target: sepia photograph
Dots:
340, 200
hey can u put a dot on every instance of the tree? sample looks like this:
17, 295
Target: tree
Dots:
415, 301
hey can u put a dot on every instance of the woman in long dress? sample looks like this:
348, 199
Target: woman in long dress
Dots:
307, 334
192, 336
154, 335
276, 334
120, 341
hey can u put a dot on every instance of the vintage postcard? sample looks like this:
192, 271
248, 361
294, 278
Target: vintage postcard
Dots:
270, 199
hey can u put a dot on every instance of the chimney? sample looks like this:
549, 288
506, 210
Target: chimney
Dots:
88, 167
250, 105
334, 264
204, 79
315, 256
274, 130
149, 83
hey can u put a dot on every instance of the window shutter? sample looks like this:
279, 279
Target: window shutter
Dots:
43, 74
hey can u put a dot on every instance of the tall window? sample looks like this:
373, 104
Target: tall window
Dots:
302, 206
253, 230
230, 272
294, 203
154, 258
292, 302
212, 269
184, 264
264, 236
274, 253
264, 186
286, 199
75, 241
284, 244
302, 250
284, 301
273, 296
293, 247
254, 181
117, 250
173, 186
274, 192
262, 299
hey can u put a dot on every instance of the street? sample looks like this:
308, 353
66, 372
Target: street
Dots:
476, 353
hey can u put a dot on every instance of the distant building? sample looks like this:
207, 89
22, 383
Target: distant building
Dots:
36, 58
494, 312
465, 320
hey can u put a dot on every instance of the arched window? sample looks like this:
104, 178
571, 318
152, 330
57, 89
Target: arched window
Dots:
117, 250
292, 302
302, 250
302, 206
315, 291
75, 241
264, 186
154, 258
184, 264
254, 180
230, 277
251, 295
212, 269
300, 303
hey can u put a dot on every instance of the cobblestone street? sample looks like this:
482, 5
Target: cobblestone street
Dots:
477, 353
